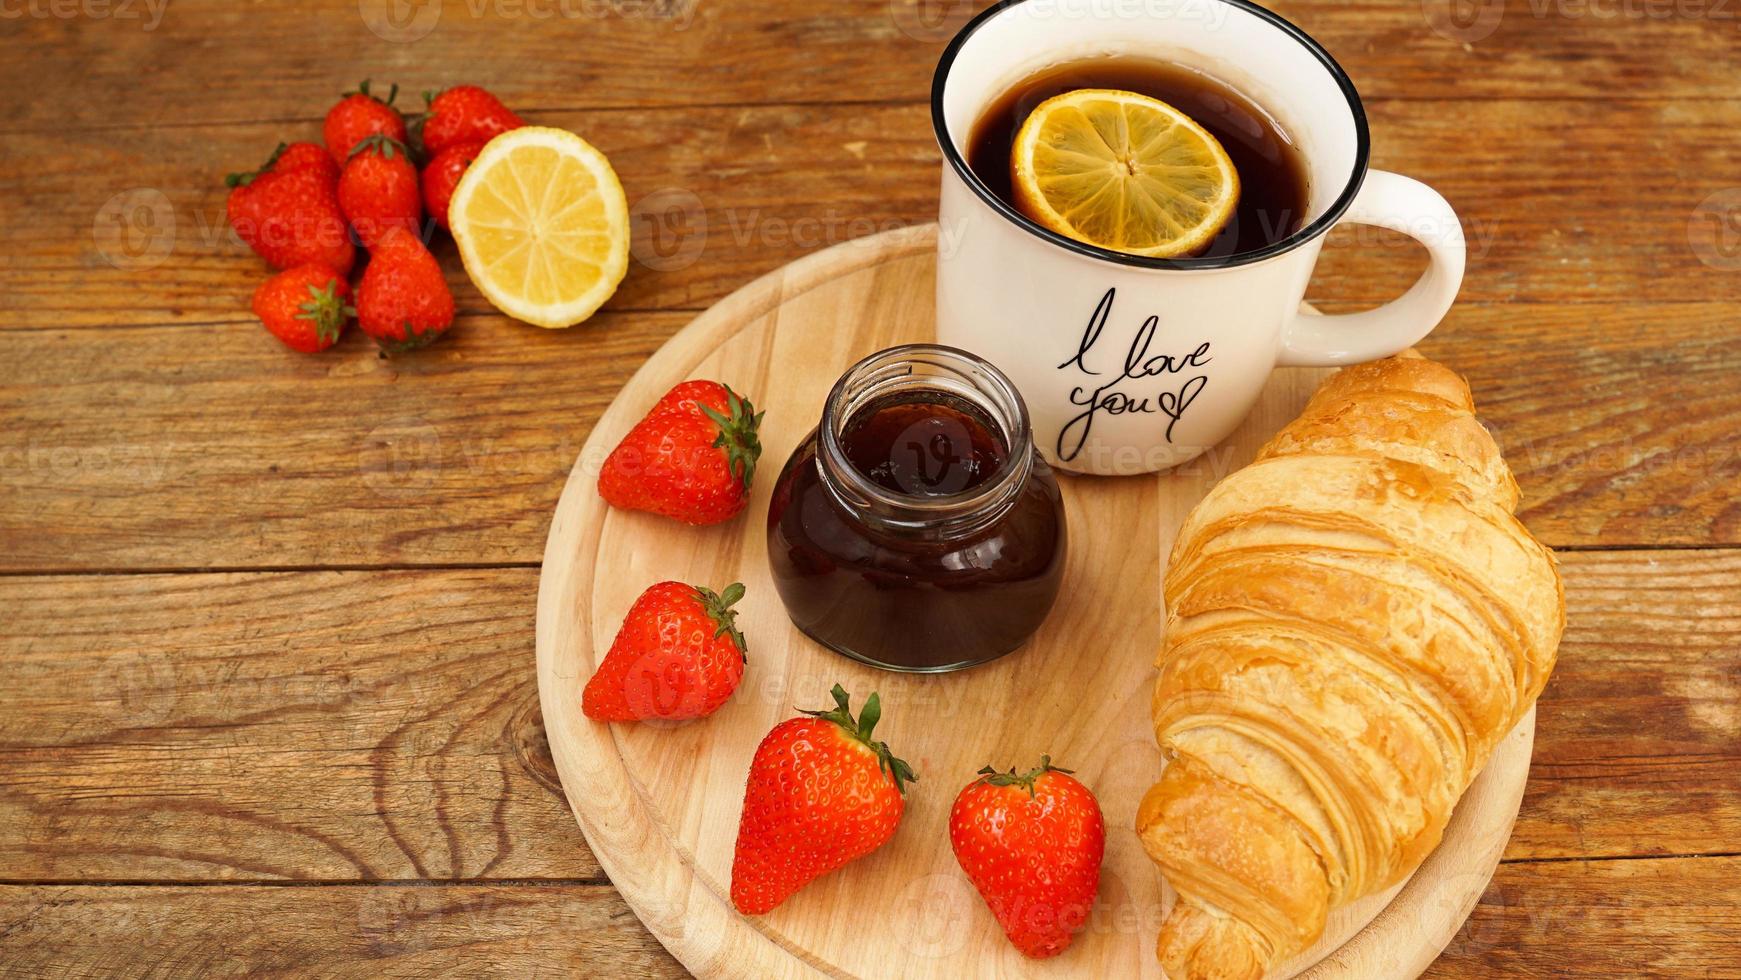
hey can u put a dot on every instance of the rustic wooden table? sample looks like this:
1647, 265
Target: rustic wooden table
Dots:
266, 619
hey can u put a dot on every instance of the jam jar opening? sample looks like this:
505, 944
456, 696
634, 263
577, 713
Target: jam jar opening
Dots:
917, 528
946, 488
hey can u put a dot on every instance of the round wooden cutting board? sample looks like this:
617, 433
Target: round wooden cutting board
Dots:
659, 804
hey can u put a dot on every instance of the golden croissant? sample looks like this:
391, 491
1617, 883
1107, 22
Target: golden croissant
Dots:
1354, 621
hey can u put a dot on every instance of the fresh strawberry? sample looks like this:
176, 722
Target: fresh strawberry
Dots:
359, 116
1032, 844
306, 307
403, 301
378, 189
821, 794
291, 219
692, 458
305, 156
678, 655
441, 175
464, 114
289, 158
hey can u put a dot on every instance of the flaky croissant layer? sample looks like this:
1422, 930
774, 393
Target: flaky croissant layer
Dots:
1354, 621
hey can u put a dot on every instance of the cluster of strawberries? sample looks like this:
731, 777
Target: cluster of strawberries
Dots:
301, 209
822, 791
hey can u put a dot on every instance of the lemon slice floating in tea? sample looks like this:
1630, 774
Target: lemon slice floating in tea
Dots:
542, 226
1122, 171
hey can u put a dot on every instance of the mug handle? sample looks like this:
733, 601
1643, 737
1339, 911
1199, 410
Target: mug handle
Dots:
1401, 204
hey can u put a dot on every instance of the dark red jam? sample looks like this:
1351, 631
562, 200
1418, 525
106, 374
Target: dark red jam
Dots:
924, 532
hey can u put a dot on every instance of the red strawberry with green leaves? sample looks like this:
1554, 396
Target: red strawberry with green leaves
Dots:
403, 300
379, 189
1032, 844
692, 458
441, 175
678, 655
291, 219
358, 116
307, 307
289, 158
463, 114
821, 794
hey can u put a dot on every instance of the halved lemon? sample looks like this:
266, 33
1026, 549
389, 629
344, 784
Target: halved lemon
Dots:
1122, 171
542, 226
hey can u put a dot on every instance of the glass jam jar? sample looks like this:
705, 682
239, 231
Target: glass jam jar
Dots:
917, 528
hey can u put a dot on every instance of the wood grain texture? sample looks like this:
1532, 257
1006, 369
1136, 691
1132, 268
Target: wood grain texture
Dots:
313, 726
410, 930
136, 234
136, 701
1641, 745
214, 446
211, 446
1673, 917
264, 62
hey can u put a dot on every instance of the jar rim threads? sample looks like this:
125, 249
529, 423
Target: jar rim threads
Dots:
913, 368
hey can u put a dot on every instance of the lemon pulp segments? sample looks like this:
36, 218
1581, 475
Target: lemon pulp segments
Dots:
1123, 171
542, 226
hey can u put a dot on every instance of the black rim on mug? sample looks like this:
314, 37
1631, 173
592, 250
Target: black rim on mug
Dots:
1312, 229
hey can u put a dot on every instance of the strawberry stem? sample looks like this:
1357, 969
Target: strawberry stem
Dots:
326, 310
718, 606
1025, 780
861, 729
363, 89
380, 143
737, 436
246, 177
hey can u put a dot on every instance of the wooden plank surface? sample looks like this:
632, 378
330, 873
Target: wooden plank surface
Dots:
1671, 917
209, 446
338, 767
414, 929
321, 726
268, 61
137, 235
365, 726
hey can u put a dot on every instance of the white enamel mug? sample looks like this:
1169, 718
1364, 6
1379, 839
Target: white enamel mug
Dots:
1131, 364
